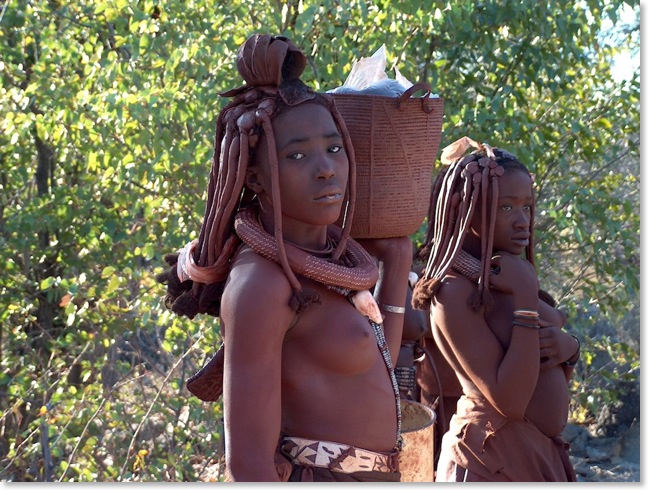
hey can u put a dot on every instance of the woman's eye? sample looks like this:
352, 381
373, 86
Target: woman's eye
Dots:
506, 207
296, 156
335, 148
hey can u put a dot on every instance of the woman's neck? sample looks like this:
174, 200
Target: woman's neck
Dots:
310, 238
472, 245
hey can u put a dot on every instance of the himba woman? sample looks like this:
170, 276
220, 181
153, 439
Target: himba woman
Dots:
309, 391
501, 334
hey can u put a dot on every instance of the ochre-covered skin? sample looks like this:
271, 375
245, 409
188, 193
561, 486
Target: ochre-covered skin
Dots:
317, 374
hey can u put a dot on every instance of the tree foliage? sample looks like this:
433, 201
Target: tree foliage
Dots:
107, 113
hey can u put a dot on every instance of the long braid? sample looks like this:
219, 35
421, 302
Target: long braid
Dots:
458, 189
278, 224
351, 198
530, 255
451, 221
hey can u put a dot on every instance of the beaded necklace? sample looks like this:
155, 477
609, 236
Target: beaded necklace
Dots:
384, 351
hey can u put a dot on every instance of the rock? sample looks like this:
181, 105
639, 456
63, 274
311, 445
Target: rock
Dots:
613, 419
577, 436
629, 444
594, 453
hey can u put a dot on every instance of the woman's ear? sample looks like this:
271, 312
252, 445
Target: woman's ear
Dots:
252, 180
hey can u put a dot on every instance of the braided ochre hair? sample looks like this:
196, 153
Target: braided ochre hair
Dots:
458, 190
271, 67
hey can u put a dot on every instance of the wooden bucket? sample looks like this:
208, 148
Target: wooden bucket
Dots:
416, 460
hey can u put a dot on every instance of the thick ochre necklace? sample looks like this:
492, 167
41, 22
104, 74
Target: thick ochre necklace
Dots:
359, 273
467, 265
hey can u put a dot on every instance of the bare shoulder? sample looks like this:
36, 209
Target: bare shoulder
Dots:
257, 293
253, 273
455, 289
451, 308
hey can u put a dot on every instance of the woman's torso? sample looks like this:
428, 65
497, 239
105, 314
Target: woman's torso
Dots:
549, 404
335, 384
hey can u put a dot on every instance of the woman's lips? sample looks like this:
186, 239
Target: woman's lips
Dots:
330, 196
521, 240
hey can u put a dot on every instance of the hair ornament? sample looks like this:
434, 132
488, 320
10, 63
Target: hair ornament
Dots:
272, 64
454, 151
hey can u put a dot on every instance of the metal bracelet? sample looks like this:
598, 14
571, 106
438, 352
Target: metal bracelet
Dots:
573, 363
392, 308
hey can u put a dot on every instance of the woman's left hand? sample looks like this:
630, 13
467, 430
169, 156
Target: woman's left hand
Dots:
389, 249
556, 346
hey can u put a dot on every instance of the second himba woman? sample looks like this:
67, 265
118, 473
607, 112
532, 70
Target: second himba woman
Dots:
501, 334
309, 391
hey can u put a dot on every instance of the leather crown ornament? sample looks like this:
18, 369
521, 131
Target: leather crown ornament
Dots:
271, 62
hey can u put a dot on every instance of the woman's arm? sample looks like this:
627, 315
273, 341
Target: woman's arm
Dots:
507, 378
395, 261
256, 317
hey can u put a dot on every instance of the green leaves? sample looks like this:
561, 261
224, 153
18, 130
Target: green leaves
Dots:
107, 115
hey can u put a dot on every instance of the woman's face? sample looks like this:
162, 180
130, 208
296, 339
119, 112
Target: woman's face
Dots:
313, 166
513, 215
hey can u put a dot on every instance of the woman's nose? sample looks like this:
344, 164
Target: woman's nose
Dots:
325, 167
522, 220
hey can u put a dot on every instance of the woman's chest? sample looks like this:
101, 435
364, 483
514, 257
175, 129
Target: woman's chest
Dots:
335, 336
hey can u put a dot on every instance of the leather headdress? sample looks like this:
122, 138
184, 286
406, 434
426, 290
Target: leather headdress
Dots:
272, 62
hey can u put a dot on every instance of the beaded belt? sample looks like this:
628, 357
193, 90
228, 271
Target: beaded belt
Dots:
337, 457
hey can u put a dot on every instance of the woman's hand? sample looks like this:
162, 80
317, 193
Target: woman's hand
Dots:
518, 277
556, 346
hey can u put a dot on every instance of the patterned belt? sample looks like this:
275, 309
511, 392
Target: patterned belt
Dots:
337, 457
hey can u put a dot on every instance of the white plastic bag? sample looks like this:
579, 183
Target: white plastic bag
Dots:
367, 71
368, 76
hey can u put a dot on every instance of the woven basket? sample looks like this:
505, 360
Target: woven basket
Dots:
395, 141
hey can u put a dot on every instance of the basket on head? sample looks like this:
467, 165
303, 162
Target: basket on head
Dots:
395, 141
